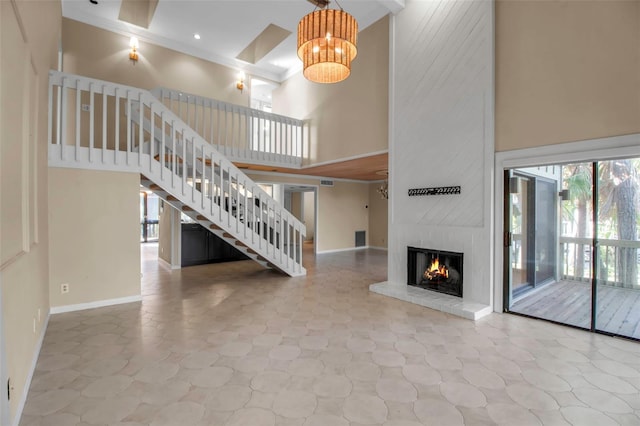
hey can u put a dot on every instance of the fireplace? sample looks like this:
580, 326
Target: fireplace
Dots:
435, 270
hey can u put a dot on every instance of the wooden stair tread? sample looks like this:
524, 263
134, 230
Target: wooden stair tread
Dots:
168, 159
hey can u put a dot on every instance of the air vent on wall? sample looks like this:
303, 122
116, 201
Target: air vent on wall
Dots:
326, 183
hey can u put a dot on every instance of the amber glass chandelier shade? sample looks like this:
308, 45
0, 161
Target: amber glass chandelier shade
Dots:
327, 41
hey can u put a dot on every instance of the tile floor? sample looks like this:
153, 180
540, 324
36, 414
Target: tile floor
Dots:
231, 344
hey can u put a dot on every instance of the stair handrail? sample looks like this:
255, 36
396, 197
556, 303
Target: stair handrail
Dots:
192, 108
197, 156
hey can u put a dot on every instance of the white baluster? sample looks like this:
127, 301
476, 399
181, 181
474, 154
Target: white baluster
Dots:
91, 122
129, 124
140, 128
78, 109
117, 132
152, 138
104, 123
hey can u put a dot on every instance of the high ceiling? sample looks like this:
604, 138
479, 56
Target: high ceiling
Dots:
226, 27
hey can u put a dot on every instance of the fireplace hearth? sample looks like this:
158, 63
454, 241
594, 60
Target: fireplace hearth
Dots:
435, 270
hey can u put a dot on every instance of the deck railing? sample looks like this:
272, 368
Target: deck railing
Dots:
241, 134
618, 263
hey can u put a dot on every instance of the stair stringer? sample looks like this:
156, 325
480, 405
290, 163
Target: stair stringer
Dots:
258, 252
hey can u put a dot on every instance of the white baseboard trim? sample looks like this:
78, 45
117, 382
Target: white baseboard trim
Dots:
379, 248
32, 369
168, 265
343, 249
96, 304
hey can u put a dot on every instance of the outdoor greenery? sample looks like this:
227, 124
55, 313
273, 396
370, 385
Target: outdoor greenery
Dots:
618, 185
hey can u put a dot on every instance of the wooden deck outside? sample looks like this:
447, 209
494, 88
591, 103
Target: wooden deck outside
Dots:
569, 302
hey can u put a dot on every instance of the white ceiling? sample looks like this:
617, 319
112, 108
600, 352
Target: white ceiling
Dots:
226, 27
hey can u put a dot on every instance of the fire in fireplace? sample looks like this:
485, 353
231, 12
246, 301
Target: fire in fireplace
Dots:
436, 270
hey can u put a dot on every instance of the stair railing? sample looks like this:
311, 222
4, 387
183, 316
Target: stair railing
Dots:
96, 124
242, 134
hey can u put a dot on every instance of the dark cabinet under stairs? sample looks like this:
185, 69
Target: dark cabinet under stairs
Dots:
199, 246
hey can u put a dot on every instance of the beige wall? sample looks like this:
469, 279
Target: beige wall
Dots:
349, 118
566, 71
94, 246
378, 217
296, 205
26, 55
106, 57
309, 200
341, 210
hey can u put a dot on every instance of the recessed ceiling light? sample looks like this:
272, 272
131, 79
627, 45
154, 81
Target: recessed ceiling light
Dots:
196, 36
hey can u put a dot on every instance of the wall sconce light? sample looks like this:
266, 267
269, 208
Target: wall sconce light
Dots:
240, 82
515, 185
133, 53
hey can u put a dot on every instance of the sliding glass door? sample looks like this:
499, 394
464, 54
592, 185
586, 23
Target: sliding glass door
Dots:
533, 207
617, 294
554, 217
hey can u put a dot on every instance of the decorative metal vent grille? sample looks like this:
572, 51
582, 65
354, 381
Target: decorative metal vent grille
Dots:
438, 190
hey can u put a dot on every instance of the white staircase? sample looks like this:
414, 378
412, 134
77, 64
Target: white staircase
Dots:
100, 125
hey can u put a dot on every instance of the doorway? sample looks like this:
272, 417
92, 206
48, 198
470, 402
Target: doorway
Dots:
554, 218
149, 217
302, 202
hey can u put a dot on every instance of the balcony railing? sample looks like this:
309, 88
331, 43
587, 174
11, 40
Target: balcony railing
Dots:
241, 134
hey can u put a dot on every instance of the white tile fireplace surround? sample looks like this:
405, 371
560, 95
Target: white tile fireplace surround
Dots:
472, 242
431, 299
428, 297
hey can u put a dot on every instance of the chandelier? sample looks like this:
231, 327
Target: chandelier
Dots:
327, 43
